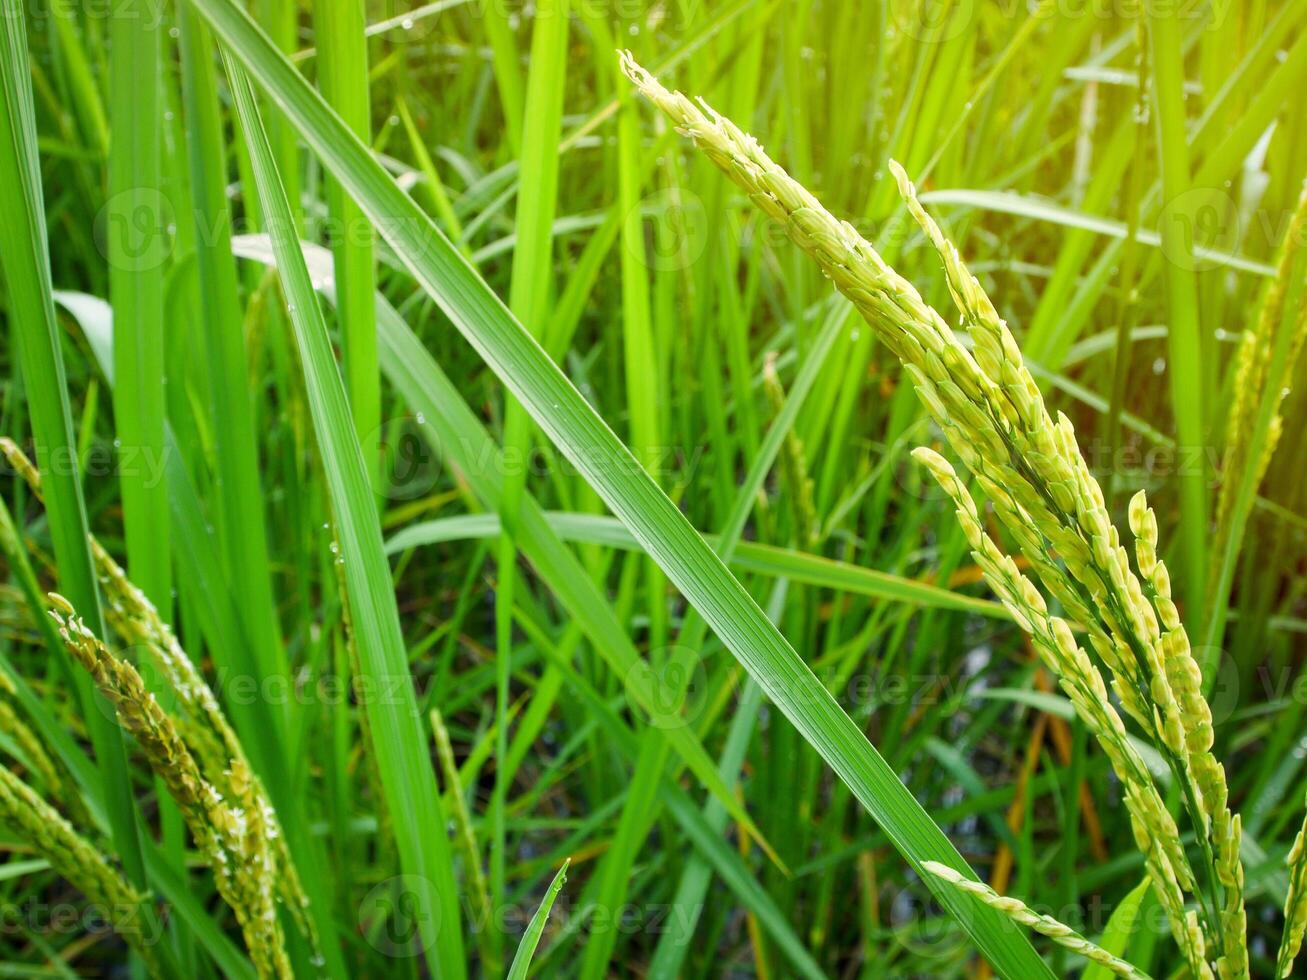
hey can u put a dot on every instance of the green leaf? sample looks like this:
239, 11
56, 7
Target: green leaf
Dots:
1120, 927
398, 736
24, 256
535, 929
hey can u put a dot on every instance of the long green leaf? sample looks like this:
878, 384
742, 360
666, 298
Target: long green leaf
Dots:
1183, 337
135, 232
343, 77
529, 292
24, 254
535, 929
454, 430
398, 736
664, 533
1120, 927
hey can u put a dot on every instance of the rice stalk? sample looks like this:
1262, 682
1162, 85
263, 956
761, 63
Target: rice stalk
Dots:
205, 729
1045, 925
56, 782
1155, 831
31, 818
1252, 378
464, 835
1031, 468
1295, 905
230, 833
385, 825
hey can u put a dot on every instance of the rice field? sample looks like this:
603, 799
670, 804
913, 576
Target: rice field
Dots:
649, 488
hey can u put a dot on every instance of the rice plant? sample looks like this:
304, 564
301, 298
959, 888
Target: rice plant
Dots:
452, 526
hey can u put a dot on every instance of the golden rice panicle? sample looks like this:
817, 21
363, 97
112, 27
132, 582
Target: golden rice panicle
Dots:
137, 710
1295, 904
1181, 668
1155, 830
230, 835
996, 350
74, 858
1027, 462
1056, 509
1233, 962
1209, 784
1252, 366
1074, 518
1045, 925
1047, 484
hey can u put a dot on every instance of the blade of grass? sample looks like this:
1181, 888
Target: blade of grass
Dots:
508, 73
529, 293
1120, 927
398, 735
608, 466
1186, 361
239, 490
535, 929
343, 78
24, 253
137, 249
